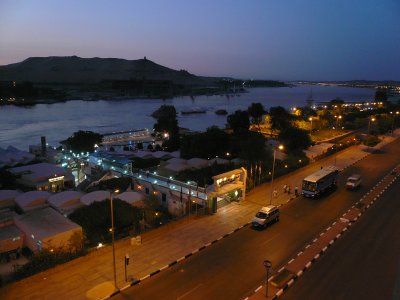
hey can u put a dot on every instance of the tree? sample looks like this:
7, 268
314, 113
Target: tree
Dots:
76, 241
239, 122
95, 218
167, 123
253, 148
256, 111
381, 95
83, 141
213, 142
295, 139
280, 118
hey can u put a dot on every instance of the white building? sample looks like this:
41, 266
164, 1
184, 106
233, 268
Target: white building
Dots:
32, 200
46, 229
43, 177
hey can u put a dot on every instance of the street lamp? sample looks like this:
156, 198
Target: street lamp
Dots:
112, 236
310, 119
369, 123
267, 265
280, 147
394, 116
337, 121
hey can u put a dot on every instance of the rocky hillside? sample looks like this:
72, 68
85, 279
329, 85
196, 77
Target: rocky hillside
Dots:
73, 69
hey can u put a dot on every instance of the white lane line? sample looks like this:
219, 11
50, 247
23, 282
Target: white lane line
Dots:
187, 293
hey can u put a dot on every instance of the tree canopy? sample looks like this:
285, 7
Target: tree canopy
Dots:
213, 142
167, 123
280, 118
239, 122
83, 141
256, 111
95, 218
295, 139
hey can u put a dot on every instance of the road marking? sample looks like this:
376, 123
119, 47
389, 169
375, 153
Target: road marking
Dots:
187, 293
275, 236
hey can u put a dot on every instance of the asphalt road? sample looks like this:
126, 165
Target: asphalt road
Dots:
232, 268
364, 263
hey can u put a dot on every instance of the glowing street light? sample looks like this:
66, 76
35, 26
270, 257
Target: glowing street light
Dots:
280, 147
337, 121
369, 123
310, 119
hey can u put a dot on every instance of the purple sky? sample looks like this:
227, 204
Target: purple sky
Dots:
261, 39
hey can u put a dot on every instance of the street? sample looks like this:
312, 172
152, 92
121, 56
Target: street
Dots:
364, 263
232, 268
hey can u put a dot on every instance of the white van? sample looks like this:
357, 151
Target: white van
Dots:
266, 215
353, 181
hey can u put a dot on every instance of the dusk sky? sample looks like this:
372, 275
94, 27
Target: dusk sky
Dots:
260, 39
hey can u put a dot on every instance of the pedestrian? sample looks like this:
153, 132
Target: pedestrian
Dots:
284, 188
288, 189
275, 193
296, 192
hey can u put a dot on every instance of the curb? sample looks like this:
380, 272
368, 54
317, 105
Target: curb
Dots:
340, 219
287, 285
137, 281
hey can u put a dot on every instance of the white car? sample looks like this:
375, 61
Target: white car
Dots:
353, 181
265, 216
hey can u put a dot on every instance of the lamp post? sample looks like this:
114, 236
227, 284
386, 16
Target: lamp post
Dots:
310, 119
280, 147
112, 236
394, 116
337, 125
337, 121
369, 123
267, 265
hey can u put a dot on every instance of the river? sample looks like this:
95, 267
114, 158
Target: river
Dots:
23, 126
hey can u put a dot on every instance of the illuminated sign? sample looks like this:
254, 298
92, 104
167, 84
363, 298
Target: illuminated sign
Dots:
56, 178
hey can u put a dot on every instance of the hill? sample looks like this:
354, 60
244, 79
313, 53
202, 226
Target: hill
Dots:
77, 70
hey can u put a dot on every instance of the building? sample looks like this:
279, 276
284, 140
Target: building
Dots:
11, 242
32, 200
96, 196
43, 177
66, 202
7, 198
12, 156
46, 229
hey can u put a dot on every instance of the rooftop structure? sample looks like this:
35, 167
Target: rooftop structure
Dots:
46, 229
132, 198
32, 200
65, 202
96, 196
43, 176
7, 197
12, 156
11, 239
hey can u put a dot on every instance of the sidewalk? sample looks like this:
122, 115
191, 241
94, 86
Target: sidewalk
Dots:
161, 247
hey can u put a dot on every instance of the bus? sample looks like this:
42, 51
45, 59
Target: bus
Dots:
319, 181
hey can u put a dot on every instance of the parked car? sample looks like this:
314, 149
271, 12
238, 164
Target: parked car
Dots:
353, 181
265, 216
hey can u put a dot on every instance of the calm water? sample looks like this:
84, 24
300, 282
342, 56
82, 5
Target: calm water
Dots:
21, 127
